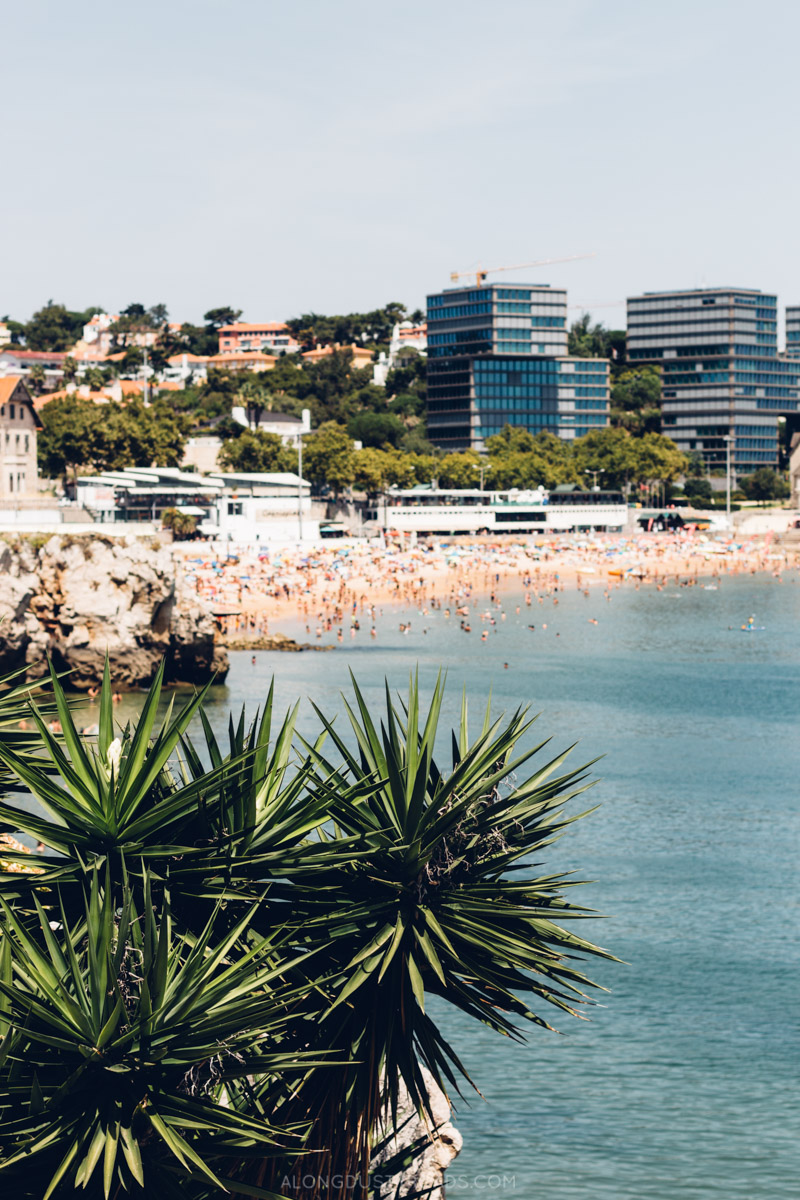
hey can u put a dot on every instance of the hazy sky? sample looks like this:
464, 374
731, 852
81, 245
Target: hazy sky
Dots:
336, 154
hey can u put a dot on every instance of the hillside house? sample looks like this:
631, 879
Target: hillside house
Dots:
19, 424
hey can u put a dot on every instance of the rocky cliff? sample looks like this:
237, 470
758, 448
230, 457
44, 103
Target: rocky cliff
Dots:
429, 1149
78, 598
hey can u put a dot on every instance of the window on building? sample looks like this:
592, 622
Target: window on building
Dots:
234, 508
27, 443
11, 414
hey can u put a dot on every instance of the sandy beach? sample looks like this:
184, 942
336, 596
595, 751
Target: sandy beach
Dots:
338, 586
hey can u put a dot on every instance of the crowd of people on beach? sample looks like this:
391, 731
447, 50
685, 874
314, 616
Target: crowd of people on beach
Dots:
339, 589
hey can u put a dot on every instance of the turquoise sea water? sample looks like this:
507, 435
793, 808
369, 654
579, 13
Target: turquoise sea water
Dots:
685, 1084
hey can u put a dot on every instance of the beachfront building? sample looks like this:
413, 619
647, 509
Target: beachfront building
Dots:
498, 356
721, 371
793, 332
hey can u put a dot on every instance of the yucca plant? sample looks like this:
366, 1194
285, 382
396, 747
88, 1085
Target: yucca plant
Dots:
128, 1050
448, 899
325, 894
219, 826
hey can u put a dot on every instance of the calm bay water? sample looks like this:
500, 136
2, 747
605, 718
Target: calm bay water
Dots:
685, 1083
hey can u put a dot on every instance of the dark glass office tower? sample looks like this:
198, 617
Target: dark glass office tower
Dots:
722, 374
498, 356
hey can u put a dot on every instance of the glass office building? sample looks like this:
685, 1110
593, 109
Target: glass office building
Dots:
793, 332
498, 356
721, 371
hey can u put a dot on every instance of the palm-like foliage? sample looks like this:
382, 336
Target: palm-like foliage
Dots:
217, 826
209, 922
443, 900
131, 1043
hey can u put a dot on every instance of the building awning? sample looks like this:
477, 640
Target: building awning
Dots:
191, 510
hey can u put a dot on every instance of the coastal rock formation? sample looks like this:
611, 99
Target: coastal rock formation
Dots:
270, 641
78, 598
424, 1174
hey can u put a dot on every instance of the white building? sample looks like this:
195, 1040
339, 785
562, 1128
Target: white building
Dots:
407, 339
285, 426
96, 334
260, 508
186, 368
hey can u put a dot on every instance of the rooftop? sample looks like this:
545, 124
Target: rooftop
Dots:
705, 291
255, 327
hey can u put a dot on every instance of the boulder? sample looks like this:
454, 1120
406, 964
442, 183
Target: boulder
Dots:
80, 598
424, 1174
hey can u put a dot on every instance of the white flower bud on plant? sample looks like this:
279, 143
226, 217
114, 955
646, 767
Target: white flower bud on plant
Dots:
113, 755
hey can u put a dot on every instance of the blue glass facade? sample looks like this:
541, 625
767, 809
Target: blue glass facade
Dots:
497, 356
721, 370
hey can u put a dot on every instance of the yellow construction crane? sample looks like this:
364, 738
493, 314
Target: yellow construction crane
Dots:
480, 274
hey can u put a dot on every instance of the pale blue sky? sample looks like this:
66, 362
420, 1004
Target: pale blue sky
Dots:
337, 154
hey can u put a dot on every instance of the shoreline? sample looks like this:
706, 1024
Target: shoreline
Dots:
327, 590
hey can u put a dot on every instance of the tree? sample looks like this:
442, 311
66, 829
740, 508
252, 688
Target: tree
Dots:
329, 457
636, 400
257, 451
409, 378
376, 429
217, 317
607, 452
314, 329
54, 327
425, 467
96, 377
65, 441
379, 469
697, 489
521, 459
214, 397
79, 433
556, 461
183, 525
370, 471
239, 1020
764, 484
37, 379
415, 440
461, 470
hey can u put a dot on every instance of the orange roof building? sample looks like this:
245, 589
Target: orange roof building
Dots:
252, 335
362, 356
252, 360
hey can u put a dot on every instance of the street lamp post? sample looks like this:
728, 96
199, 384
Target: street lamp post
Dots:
480, 467
300, 487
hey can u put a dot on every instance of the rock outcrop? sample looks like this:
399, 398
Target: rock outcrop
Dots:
424, 1174
76, 598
